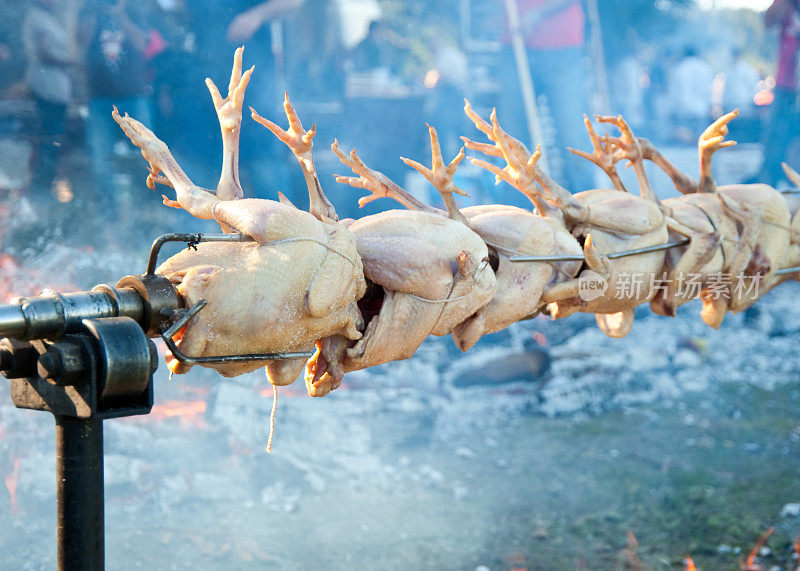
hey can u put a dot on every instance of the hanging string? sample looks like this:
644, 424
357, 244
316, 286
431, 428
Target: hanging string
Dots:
272, 418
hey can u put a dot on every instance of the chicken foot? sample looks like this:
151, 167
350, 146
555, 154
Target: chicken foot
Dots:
229, 112
376, 182
602, 154
710, 141
300, 143
441, 177
520, 162
520, 167
198, 202
627, 147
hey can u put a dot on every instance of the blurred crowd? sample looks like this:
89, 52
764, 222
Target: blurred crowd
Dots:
65, 63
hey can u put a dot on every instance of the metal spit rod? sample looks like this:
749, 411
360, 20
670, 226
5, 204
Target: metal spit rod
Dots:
51, 314
611, 256
79, 487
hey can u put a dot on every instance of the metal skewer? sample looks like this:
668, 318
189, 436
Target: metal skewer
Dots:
612, 256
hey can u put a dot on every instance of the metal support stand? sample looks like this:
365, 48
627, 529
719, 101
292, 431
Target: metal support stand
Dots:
79, 487
82, 371
85, 357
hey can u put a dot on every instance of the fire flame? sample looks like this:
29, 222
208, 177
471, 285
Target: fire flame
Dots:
688, 564
11, 485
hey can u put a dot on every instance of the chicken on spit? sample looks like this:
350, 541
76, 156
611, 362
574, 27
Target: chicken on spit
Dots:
603, 221
297, 281
427, 272
506, 230
740, 235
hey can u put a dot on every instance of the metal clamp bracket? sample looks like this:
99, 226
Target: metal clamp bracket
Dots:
180, 356
185, 315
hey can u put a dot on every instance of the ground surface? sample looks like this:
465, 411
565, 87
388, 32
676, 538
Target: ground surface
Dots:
389, 475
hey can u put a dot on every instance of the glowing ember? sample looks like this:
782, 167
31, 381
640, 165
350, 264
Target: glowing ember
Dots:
518, 562
188, 412
15, 278
11, 485
750, 564
632, 552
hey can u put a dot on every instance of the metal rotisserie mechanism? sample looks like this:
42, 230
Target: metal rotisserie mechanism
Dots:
88, 356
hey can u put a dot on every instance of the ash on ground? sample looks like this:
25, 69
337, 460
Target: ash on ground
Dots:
541, 447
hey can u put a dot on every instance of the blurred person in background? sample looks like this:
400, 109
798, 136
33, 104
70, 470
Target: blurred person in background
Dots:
12, 52
741, 85
370, 53
658, 113
115, 36
690, 85
49, 82
314, 52
213, 32
628, 90
782, 123
382, 47
554, 35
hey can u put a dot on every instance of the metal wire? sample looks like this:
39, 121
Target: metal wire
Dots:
612, 256
180, 356
192, 240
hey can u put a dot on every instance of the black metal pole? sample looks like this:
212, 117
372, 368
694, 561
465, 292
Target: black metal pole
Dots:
79, 483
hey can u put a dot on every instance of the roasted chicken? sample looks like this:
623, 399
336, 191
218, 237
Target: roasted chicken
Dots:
427, 271
297, 281
369, 291
739, 236
603, 221
506, 230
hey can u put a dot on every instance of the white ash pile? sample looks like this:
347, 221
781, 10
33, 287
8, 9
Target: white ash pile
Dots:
665, 358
